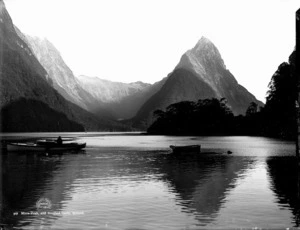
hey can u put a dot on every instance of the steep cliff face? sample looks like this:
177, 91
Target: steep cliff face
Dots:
58, 73
19, 68
206, 62
25, 83
201, 73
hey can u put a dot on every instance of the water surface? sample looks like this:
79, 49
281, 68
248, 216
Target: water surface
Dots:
131, 181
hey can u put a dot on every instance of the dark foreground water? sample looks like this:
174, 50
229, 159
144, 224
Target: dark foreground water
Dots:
133, 182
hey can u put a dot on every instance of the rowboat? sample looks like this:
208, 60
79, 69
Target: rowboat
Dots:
185, 149
45, 146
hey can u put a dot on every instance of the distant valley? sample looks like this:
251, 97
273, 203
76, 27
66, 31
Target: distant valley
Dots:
35, 76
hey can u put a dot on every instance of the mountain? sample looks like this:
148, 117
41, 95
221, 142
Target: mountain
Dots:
206, 62
128, 106
60, 75
201, 73
27, 97
122, 100
108, 91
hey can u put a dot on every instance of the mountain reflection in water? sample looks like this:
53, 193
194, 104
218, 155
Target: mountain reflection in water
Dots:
27, 178
285, 178
202, 182
126, 188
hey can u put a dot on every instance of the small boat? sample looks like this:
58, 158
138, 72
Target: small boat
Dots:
45, 146
186, 149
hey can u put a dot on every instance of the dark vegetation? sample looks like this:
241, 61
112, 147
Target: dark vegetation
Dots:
213, 116
27, 115
205, 117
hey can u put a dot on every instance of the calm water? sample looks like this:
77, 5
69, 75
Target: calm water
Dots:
133, 182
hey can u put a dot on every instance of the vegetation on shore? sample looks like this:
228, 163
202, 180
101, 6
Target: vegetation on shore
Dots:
213, 116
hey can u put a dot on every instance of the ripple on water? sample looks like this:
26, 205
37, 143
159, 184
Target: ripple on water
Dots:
119, 188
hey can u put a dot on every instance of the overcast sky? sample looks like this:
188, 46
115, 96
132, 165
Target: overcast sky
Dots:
132, 40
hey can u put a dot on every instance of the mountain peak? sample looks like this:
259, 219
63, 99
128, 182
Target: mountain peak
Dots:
2, 5
204, 45
3, 11
204, 40
203, 52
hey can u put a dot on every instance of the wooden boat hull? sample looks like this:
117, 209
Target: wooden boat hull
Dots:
186, 149
38, 147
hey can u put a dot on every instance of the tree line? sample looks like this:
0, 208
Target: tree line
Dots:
214, 117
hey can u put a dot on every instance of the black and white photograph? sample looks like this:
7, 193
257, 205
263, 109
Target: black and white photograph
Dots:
149, 114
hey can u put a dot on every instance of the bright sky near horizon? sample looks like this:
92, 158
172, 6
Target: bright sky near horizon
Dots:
143, 40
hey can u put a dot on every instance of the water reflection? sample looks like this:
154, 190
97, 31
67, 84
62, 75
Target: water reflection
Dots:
199, 186
284, 173
202, 183
119, 188
29, 177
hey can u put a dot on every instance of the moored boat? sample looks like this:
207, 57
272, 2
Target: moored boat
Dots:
186, 149
46, 146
